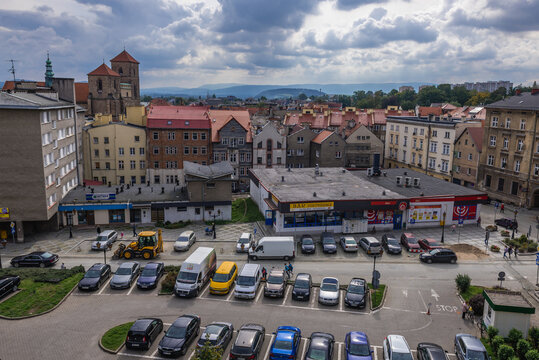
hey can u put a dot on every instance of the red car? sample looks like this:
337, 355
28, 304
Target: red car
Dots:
409, 242
429, 244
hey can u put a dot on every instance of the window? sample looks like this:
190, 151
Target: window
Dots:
155, 135
397, 127
396, 139
133, 164
520, 145
501, 183
279, 145
96, 140
447, 135
97, 165
406, 129
536, 170
445, 149
142, 164
137, 138
432, 163
241, 141
317, 154
415, 143
141, 151
224, 141
203, 136
523, 124
404, 156
338, 155
132, 151
194, 136
106, 140
493, 141
508, 123
242, 171
203, 150
233, 157
457, 169
156, 150
107, 153
420, 144
120, 164
405, 141
517, 165
186, 150
259, 145
391, 127
421, 131
434, 133
494, 122
157, 179
506, 143
488, 180
445, 165
490, 160
300, 152
413, 158
171, 135
248, 157
195, 150
121, 151
186, 135
279, 159
259, 160
433, 147
459, 154
391, 138
503, 162
301, 141
96, 153
156, 164
469, 171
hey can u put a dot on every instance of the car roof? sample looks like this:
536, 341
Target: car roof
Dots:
306, 236
252, 327
370, 238
471, 342
225, 267
358, 337
246, 337
106, 232
183, 320
436, 351
349, 238
390, 236
276, 272
249, 270
330, 280
245, 235
358, 281
142, 324
303, 276
152, 265
327, 234
398, 343
187, 233
128, 264
320, 340
38, 253
286, 333
97, 266
408, 235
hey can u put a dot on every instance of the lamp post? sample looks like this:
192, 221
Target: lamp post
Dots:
443, 227
514, 224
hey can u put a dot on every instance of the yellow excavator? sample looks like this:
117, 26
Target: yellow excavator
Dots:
148, 245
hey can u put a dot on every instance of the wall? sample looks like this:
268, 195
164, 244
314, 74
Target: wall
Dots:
327, 150
466, 146
363, 144
278, 155
101, 217
221, 192
292, 146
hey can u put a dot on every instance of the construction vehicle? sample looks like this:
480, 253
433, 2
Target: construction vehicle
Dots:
148, 245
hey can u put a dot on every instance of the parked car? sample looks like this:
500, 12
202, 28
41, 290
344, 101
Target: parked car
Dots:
184, 242
105, 239
244, 242
428, 351
349, 244
439, 255
302, 287
248, 342
286, 343
507, 223
96, 276
357, 346
391, 243
275, 284
320, 346
329, 291
218, 334
37, 258
356, 293
143, 333
248, 281
9, 283
409, 242
126, 273
429, 244
371, 245
395, 347
307, 244
223, 279
329, 246
179, 335
468, 347
150, 275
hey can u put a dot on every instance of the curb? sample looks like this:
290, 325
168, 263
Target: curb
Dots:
43, 313
381, 302
110, 351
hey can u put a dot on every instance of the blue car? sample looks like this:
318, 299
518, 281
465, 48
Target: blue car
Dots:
286, 343
150, 276
356, 344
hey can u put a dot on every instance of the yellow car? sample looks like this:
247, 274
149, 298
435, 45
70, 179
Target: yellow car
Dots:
224, 277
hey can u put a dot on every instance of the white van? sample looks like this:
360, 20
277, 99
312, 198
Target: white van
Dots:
195, 272
248, 281
274, 247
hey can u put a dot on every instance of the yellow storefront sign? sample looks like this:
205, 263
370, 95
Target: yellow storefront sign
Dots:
4, 213
326, 205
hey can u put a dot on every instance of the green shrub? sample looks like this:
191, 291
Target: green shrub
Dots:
523, 347
532, 247
504, 233
533, 336
523, 248
491, 332
494, 248
497, 341
513, 337
477, 302
159, 224
177, 225
523, 239
172, 268
532, 355
505, 352
463, 282
167, 285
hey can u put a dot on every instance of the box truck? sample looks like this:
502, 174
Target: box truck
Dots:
195, 272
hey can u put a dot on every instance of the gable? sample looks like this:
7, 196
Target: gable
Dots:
232, 127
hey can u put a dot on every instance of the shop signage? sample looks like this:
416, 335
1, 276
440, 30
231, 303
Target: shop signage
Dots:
402, 206
4, 213
275, 200
100, 196
312, 206
424, 213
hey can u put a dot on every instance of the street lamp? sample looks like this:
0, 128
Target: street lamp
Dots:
514, 224
443, 226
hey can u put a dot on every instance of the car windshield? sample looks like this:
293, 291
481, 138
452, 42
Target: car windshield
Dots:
123, 271
187, 277
46, 255
213, 329
149, 272
350, 242
101, 238
316, 354
307, 241
272, 279
412, 240
283, 345
476, 355
301, 284
359, 349
183, 239
393, 242
92, 274
356, 289
176, 332
402, 356
329, 287
243, 240
434, 252
328, 240
246, 280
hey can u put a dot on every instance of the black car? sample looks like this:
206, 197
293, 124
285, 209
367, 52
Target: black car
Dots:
95, 277
248, 342
179, 335
38, 258
320, 346
307, 244
302, 287
439, 255
391, 243
356, 293
150, 275
428, 351
9, 283
218, 334
507, 223
329, 246
143, 333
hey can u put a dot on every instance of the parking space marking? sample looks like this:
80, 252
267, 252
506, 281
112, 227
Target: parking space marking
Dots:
105, 286
313, 297
192, 353
204, 291
341, 299
304, 340
269, 347
375, 352
231, 293
155, 352
286, 294
141, 356
261, 288
132, 287
422, 300
339, 351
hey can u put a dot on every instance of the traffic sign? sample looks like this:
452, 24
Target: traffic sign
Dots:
376, 274
537, 259
12, 224
501, 276
461, 221
13, 230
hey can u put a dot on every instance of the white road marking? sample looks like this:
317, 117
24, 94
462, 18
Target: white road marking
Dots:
266, 355
155, 352
132, 287
341, 299
141, 356
313, 297
286, 294
375, 352
231, 291
259, 293
192, 354
422, 300
104, 286
304, 347
339, 351
204, 291
434, 294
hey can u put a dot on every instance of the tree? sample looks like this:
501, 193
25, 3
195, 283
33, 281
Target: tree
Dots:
460, 95
513, 337
302, 97
407, 105
208, 352
213, 96
523, 347
478, 98
532, 355
263, 98
429, 95
505, 352
146, 98
463, 282
491, 332
533, 336
497, 342
477, 302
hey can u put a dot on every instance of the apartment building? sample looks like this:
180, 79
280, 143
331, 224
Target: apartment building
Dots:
509, 166
269, 146
363, 149
422, 144
298, 147
39, 161
327, 150
468, 146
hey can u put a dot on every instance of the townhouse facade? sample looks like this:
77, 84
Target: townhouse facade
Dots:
363, 149
298, 147
327, 150
468, 146
269, 147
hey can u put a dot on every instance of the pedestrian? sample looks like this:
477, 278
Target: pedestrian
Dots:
464, 310
70, 232
213, 230
98, 230
510, 251
264, 273
502, 208
63, 266
290, 267
122, 235
453, 227
478, 221
505, 252
134, 230
516, 252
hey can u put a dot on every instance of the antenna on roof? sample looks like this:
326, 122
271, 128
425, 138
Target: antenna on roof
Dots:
12, 70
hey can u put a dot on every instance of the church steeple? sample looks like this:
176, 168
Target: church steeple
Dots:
48, 73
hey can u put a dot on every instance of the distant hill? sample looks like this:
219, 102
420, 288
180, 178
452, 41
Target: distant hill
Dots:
285, 93
246, 91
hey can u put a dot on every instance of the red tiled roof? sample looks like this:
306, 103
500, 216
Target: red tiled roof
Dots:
220, 118
81, 92
178, 117
124, 56
103, 70
322, 136
476, 133
428, 110
10, 85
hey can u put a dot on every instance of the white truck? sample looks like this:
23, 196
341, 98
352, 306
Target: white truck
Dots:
195, 272
273, 247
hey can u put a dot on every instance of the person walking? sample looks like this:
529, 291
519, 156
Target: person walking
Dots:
63, 266
516, 252
134, 230
264, 273
505, 252
98, 230
213, 230
478, 221
464, 310
510, 251
502, 208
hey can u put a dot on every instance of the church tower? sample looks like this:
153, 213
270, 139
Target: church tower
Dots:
104, 91
48, 72
127, 67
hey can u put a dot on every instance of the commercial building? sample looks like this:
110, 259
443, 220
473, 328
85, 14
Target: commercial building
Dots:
311, 200
509, 166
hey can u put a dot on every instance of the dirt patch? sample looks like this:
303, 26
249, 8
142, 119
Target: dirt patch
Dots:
468, 252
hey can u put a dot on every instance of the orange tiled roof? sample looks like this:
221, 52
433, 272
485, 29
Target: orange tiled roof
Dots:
103, 70
10, 85
124, 56
220, 118
428, 110
322, 136
81, 92
476, 133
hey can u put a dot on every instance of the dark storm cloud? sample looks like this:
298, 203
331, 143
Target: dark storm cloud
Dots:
506, 16
353, 4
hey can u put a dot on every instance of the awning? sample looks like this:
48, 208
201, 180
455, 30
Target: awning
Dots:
270, 203
94, 207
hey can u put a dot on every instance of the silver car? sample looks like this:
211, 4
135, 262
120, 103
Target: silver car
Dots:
245, 240
104, 240
184, 242
125, 275
329, 291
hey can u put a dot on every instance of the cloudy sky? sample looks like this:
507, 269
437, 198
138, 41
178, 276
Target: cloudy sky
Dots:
189, 43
